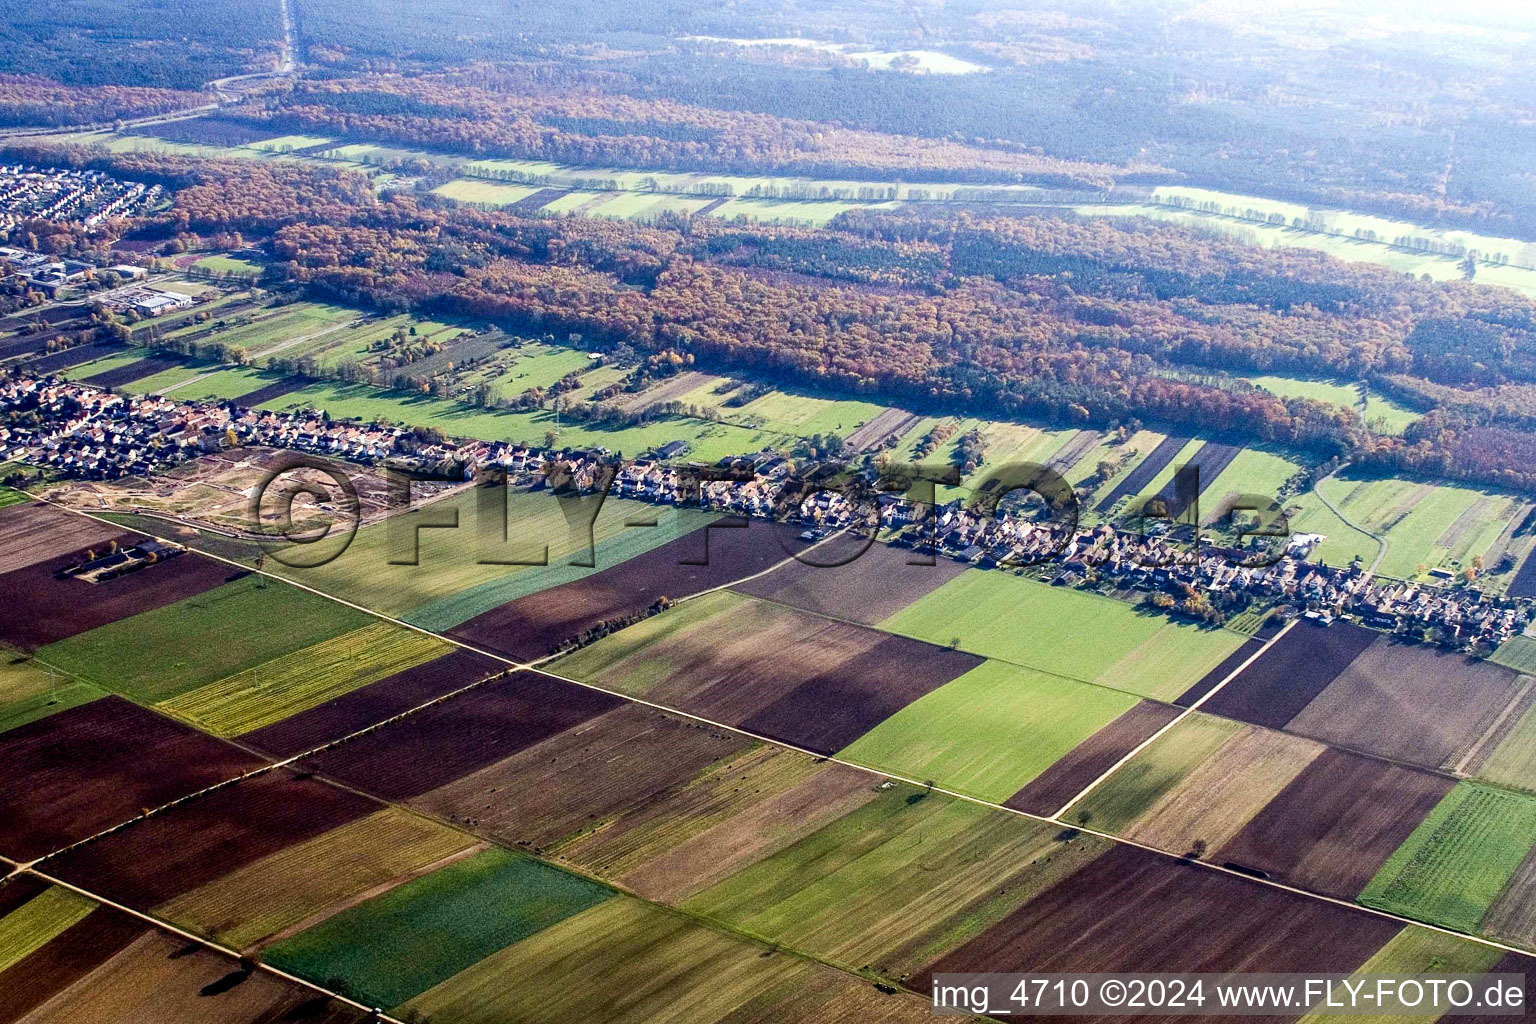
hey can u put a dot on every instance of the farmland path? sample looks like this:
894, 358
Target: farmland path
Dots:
1144, 744
1381, 542
513, 665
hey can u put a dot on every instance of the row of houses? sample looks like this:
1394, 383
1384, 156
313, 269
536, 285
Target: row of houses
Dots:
55, 194
90, 433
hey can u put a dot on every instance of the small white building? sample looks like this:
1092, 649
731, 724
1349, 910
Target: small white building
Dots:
157, 303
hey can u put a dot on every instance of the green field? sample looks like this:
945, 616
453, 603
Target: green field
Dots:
1254, 471
224, 383
221, 632
1414, 950
612, 548
105, 363
457, 574
231, 265
990, 731
621, 962
29, 691
30, 926
1141, 781
295, 682
472, 190
707, 441
170, 380
1065, 632
1513, 762
1455, 864
1518, 653
902, 878
1381, 413
1432, 525
402, 943
800, 415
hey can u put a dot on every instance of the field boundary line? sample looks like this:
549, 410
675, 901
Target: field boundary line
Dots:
833, 759
1144, 744
374, 1012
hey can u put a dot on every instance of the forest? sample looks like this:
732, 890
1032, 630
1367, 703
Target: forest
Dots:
1078, 322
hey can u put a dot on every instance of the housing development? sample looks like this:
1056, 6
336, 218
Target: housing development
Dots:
815, 513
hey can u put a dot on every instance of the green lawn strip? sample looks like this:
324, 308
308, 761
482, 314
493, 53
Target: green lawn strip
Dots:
446, 612
10, 496
1141, 781
1171, 660
169, 378
1513, 761
452, 564
622, 960
105, 363
1412, 951
30, 926
990, 731
909, 869
707, 441
1518, 653
1054, 629
402, 943
633, 659
303, 679
1455, 864
225, 383
161, 653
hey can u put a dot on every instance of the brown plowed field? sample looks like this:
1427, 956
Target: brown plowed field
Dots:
1410, 702
1213, 678
758, 832
267, 392
33, 533
1513, 915
70, 775
373, 703
1224, 791
1130, 910
1299, 666
173, 852
461, 735
889, 423
151, 981
39, 609
129, 372
1144, 472
1336, 823
55, 361
1048, 792
64, 960
18, 889
814, 682
533, 626
870, 589
1509, 963
584, 775
1210, 459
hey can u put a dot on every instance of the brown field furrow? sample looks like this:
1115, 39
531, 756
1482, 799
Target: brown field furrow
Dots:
65, 358
583, 776
34, 533
158, 858
63, 961
373, 703
533, 626
154, 980
1213, 678
1071, 453
759, 831
1409, 702
461, 735
870, 589
1217, 799
70, 775
40, 609
1512, 917
674, 387
1336, 823
1299, 666
1144, 471
130, 372
652, 829
1049, 792
1130, 910
890, 423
